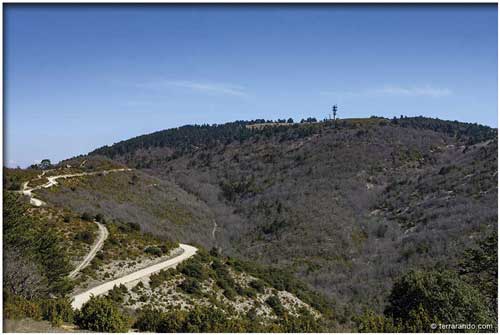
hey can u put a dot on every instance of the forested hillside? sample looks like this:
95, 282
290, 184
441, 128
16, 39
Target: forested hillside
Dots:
347, 206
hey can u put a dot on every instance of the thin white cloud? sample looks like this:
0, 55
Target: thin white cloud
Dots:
414, 91
204, 87
424, 91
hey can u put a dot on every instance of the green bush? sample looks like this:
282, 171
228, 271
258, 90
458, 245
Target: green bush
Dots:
17, 307
275, 303
303, 323
437, 296
84, 236
157, 279
153, 250
87, 217
258, 285
117, 293
38, 243
102, 315
191, 286
193, 268
479, 268
370, 322
167, 246
149, 320
57, 311
100, 218
134, 226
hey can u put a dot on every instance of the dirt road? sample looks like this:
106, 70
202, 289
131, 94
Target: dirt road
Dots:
103, 235
81, 298
53, 181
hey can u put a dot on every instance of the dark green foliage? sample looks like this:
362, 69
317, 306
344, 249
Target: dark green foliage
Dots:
102, 315
149, 320
208, 319
258, 285
158, 278
437, 296
233, 189
153, 250
190, 286
193, 268
274, 227
37, 242
480, 268
18, 307
275, 303
474, 133
57, 311
370, 322
303, 323
117, 293
184, 139
281, 279
87, 217
14, 178
134, 226
84, 236
100, 218
223, 279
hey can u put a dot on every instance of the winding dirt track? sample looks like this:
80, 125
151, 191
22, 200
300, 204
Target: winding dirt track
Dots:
103, 232
53, 181
103, 235
214, 229
80, 299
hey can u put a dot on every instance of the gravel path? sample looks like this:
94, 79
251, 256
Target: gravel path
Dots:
103, 235
81, 298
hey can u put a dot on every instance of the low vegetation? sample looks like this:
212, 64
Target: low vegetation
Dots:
421, 298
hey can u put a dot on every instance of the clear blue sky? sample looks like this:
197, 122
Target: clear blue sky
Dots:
79, 77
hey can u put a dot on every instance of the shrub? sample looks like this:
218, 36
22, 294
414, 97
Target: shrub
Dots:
84, 236
167, 246
153, 250
102, 315
57, 311
17, 307
480, 268
86, 217
117, 293
191, 286
134, 226
193, 268
157, 279
442, 297
275, 303
370, 322
258, 285
148, 320
100, 218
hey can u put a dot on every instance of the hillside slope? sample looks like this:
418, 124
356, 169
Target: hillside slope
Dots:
346, 207
44, 243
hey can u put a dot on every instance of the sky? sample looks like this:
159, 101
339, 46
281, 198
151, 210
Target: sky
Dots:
78, 77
